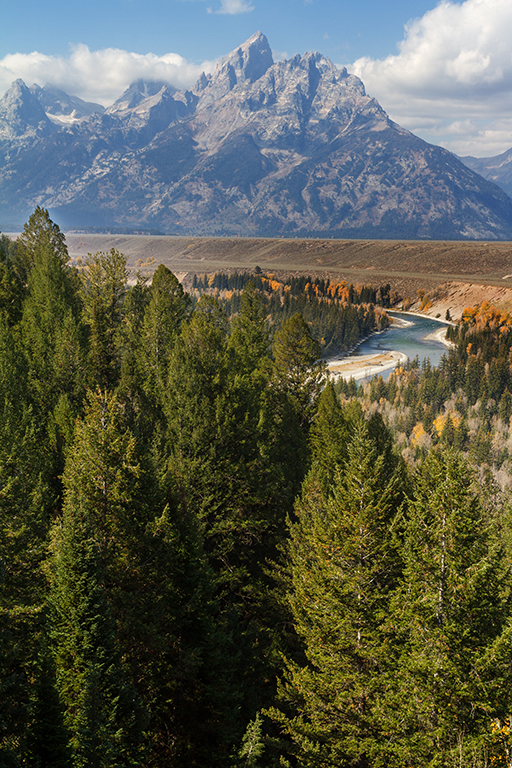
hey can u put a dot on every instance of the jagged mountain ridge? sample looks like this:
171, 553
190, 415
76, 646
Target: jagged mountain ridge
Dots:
497, 169
62, 108
293, 148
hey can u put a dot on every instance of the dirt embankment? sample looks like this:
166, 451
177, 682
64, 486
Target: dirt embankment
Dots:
456, 296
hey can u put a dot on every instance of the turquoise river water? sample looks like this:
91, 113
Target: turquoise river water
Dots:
410, 339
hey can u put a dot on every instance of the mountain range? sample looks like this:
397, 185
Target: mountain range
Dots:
290, 148
497, 169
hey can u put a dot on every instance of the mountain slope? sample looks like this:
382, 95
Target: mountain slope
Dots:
497, 169
258, 148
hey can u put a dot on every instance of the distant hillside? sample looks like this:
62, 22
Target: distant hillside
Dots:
497, 169
468, 272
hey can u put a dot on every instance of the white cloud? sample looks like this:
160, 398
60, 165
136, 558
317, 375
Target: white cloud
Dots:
451, 81
279, 55
233, 7
99, 76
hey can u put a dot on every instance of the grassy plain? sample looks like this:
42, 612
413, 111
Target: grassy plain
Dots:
455, 273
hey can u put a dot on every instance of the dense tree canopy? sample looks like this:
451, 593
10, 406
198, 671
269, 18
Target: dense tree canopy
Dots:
211, 556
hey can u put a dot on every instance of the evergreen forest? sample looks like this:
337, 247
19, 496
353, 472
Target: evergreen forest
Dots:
338, 314
213, 557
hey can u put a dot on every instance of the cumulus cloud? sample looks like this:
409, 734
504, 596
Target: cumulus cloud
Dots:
233, 7
451, 80
99, 76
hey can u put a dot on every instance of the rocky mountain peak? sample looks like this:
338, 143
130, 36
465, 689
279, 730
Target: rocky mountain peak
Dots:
305, 98
137, 92
21, 114
202, 82
148, 107
248, 63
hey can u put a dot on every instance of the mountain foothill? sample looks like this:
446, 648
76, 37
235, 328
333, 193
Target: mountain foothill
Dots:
292, 148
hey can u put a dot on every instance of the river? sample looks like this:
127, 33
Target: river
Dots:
380, 353
411, 339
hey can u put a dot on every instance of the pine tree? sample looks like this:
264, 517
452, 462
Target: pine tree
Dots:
152, 318
149, 582
52, 337
25, 507
197, 378
103, 468
296, 356
228, 463
25, 500
505, 407
168, 308
460, 437
343, 566
448, 614
50, 327
11, 284
102, 713
253, 745
447, 435
94, 578
329, 437
40, 233
104, 278
250, 339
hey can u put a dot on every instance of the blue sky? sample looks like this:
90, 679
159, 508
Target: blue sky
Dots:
208, 29
440, 69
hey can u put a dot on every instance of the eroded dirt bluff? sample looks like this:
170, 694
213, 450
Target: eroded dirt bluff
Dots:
455, 274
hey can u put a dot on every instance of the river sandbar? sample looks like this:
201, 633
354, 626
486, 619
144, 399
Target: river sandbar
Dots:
440, 336
364, 366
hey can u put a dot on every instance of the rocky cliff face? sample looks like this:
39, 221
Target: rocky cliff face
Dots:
291, 148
